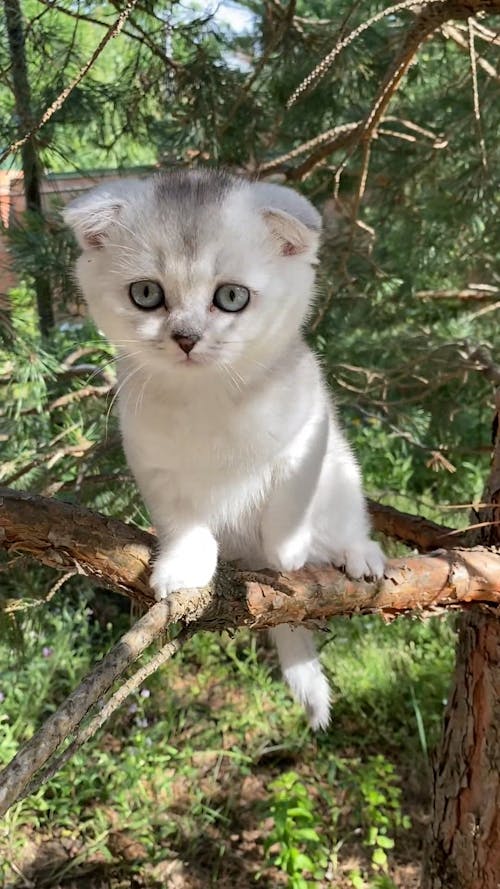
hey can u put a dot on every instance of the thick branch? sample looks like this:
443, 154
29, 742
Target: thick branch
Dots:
415, 531
259, 600
117, 555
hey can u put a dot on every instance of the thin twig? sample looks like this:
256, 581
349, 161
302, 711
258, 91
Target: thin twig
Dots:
116, 700
475, 94
467, 294
79, 394
324, 66
484, 311
33, 756
328, 138
57, 104
453, 32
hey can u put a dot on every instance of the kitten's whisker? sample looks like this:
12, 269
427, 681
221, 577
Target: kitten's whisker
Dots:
116, 340
231, 377
118, 390
139, 239
121, 247
222, 367
99, 370
138, 403
125, 228
256, 363
114, 360
238, 375
130, 392
229, 371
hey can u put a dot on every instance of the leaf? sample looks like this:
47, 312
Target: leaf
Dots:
356, 880
308, 834
299, 812
379, 858
384, 841
302, 861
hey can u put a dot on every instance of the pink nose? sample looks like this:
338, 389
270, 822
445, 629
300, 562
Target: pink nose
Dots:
186, 343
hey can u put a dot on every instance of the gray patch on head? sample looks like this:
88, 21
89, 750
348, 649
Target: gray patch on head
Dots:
194, 188
192, 197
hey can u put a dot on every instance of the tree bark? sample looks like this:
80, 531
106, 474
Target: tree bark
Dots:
30, 160
464, 844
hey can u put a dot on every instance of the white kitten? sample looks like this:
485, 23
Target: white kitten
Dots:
203, 282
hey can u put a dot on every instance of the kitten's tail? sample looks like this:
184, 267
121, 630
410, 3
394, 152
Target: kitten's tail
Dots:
302, 671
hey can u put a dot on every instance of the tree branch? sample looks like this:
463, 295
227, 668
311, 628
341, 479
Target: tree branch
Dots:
117, 555
472, 293
415, 531
68, 716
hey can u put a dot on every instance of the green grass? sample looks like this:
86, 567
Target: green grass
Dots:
187, 769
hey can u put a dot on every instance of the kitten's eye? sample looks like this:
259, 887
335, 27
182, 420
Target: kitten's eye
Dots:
146, 294
231, 297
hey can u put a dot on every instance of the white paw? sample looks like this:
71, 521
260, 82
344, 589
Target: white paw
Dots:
364, 559
185, 564
290, 554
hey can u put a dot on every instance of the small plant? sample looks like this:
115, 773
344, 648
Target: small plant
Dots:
294, 844
380, 882
381, 809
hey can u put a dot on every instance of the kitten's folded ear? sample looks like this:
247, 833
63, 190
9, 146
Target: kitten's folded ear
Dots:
91, 216
291, 236
293, 222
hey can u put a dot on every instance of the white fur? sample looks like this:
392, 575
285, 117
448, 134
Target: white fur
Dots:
236, 448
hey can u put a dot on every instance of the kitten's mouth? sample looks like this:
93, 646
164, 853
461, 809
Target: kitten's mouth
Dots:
190, 360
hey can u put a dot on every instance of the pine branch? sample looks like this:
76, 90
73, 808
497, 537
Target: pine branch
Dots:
431, 17
469, 294
57, 104
16, 779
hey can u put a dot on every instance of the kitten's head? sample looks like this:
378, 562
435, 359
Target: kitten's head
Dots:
197, 269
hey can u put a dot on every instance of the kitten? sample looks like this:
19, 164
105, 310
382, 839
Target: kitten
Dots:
203, 282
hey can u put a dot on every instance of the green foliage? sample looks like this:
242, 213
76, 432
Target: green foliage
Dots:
210, 759
299, 846
36, 243
381, 807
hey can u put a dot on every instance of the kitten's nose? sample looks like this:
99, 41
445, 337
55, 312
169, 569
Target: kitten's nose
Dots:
186, 343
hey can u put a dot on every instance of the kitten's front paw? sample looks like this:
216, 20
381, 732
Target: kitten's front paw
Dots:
290, 554
187, 564
364, 559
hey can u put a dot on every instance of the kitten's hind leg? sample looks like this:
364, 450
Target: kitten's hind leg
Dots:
360, 559
285, 524
286, 540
